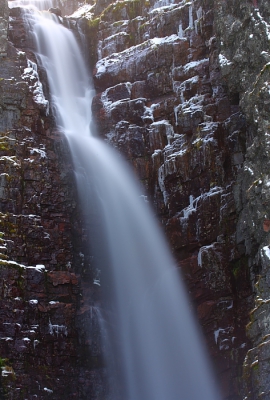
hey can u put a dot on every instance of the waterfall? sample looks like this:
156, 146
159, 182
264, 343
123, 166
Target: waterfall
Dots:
154, 344
35, 4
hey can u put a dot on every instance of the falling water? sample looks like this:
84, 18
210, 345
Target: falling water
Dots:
35, 4
153, 337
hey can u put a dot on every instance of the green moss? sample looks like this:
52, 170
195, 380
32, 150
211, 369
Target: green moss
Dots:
198, 144
7, 369
132, 39
144, 26
240, 267
236, 269
4, 146
93, 23
255, 366
3, 362
133, 8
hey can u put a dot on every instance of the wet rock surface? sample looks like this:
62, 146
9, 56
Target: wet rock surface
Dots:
49, 332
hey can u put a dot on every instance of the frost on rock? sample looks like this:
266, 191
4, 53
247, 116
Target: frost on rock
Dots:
193, 64
193, 203
57, 329
264, 23
30, 75
39, 267
41, 152
204, 249
162, 3
180, 30
190, 15
197, 22
248, 169
33, 302
12, 264
148, 112
6, 371
224, 338
134, 58
84, 11
223, 60
12, 160
225, 64
48, 390
161, 133
108, 100
266, 251
113, 44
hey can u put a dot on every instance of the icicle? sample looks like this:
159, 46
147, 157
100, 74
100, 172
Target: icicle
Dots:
190, 23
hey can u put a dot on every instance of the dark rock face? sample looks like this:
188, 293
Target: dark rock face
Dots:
3, 27
162, 100
245, 57
49, 331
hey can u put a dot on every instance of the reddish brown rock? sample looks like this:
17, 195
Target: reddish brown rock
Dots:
186, 142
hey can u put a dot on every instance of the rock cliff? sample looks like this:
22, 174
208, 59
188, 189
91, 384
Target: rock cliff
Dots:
244, 32
162, 100
49, 335
182, 92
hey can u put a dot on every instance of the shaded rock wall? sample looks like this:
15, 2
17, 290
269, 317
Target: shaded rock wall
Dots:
3, 27
49, 334
244, 32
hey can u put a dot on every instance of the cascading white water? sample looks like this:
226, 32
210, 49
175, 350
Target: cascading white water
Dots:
154, 338
35, 4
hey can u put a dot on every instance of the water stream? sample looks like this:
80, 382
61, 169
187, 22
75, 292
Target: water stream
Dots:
153, 340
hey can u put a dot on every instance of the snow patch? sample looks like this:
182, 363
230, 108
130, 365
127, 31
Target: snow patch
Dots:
83, 12
266, 26
33, 302
266, 251
11, 159
7, 371
223, 60
194, 64
41, 152
48, 390
39, 268
31, 76
167, 39
248, 169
